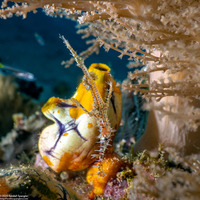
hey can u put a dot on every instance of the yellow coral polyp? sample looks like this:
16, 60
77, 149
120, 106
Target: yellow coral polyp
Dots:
74, 150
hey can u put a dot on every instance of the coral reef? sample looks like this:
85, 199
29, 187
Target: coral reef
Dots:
116, 189
13, 101
158, 178
22, 138
153, 177
163, 36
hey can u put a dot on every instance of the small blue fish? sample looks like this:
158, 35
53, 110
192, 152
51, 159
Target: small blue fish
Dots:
27, 76
39, 39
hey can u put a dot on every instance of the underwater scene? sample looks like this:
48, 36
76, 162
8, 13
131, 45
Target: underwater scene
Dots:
100, 100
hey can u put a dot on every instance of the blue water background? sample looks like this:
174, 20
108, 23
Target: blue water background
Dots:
20, 49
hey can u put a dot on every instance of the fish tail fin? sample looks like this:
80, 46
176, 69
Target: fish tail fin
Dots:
1, 65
